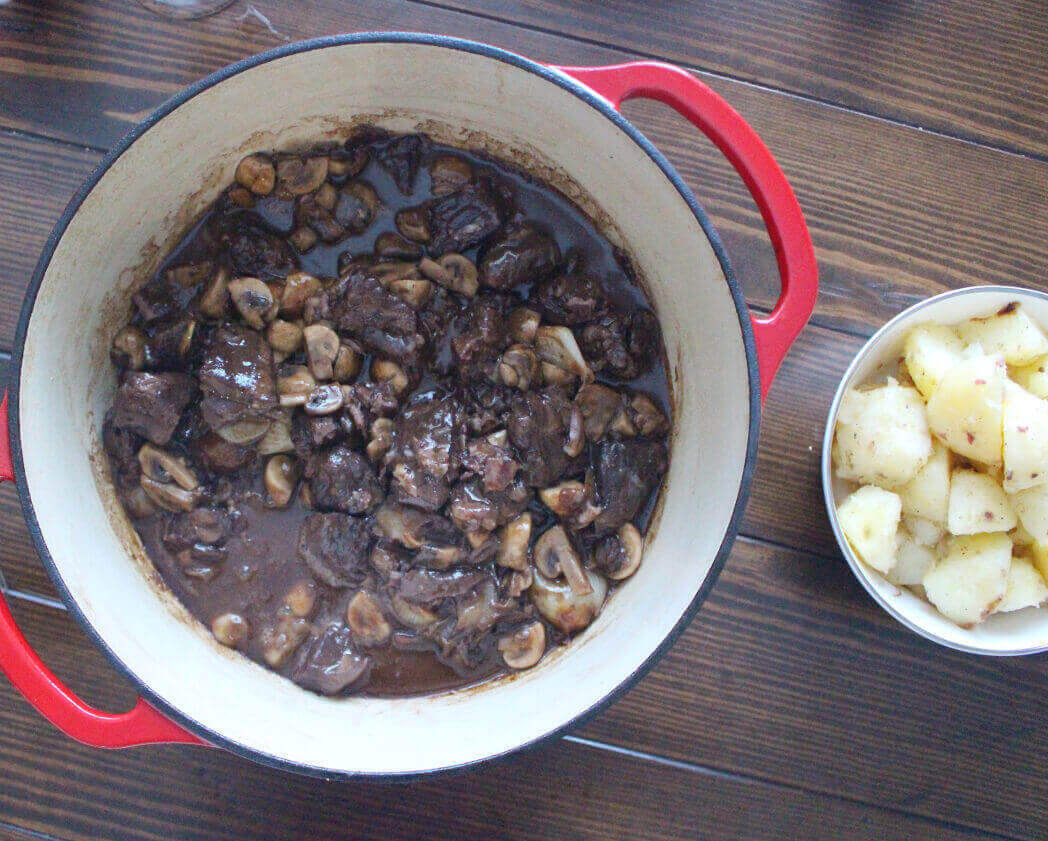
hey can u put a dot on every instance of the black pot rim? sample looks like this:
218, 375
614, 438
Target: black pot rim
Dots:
590, 99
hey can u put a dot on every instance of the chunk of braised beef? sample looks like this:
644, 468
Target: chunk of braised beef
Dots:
378, 320
439, 322
430, 432
569, 299
473, 509
236, 377
342, 479
492, 462
427, 587
256, 251
483, 338
621, 345
401, 158
538, 430
173, 343
203, 526
329, 663
311, 432
487, 406
625, 472
521, 254
336, 547
464, 219
158, 300
150, 404
220, 456
312, 215
122, 446
411, 485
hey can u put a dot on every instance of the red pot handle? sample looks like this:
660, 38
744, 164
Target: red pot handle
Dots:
740, 144
141, 725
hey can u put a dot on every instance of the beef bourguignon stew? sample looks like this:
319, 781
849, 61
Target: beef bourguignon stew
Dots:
391, 418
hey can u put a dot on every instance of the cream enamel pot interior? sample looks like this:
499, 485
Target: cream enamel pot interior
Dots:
1021, 632
563, 125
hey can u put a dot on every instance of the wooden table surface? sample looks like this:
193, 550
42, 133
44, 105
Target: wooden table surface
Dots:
916, 138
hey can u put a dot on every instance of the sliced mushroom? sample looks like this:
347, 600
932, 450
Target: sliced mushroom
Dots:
476, 539
400, 524
299, 287
241, 197
411, 614
599, 406
326, 196
257, 174
523, 324
619, 555
357, 206
383, 370
347, 364
138, 504
170, 497
301, 599
647, 417
381, 440
322, 345
163, 467
391, 246
386, 272
552, 375
576, 434
560, 605
414, 293
278, 437
284, 336
524, 647
231, 629
280, 478
324, 400
280, 641
557, 346
185, 344
513, 543
216, 294
519, 581
298, 176
130, 347
411, 222
253, 300
555, 555
188, 275
452, 271
365, 619
295, 385
572, 502
448, 174
623, 425
518, 367
303, 239
246, 431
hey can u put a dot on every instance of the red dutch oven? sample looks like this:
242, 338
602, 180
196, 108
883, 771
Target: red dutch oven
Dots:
563, 124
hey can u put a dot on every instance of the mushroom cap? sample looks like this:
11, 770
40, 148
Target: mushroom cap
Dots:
524, 647
556, 601
555, 555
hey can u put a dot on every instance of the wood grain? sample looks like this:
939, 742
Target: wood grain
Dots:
896, 214
562, 790
971, 70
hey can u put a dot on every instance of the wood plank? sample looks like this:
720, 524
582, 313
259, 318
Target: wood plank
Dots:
896, 214
974, 70
562, 790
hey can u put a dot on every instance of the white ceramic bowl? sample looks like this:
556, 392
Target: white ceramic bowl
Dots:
1021, 632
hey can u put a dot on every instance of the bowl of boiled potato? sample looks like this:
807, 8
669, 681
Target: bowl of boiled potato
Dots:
935, 469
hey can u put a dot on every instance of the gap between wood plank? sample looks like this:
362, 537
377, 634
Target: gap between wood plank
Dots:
28, 833
803, 97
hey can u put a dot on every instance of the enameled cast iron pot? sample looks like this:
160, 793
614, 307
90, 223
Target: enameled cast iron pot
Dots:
562, 124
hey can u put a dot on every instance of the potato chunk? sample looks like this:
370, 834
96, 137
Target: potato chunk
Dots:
978, 504
912, 562
969, 582
923, 531
930, 351
882, 436
1032, 507
927, 495
1033, 377
869, 519
1025, 429
1010, 333
1026, 587
965, 411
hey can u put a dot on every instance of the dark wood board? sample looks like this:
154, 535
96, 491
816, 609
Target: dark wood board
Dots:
974, 72
562, 790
